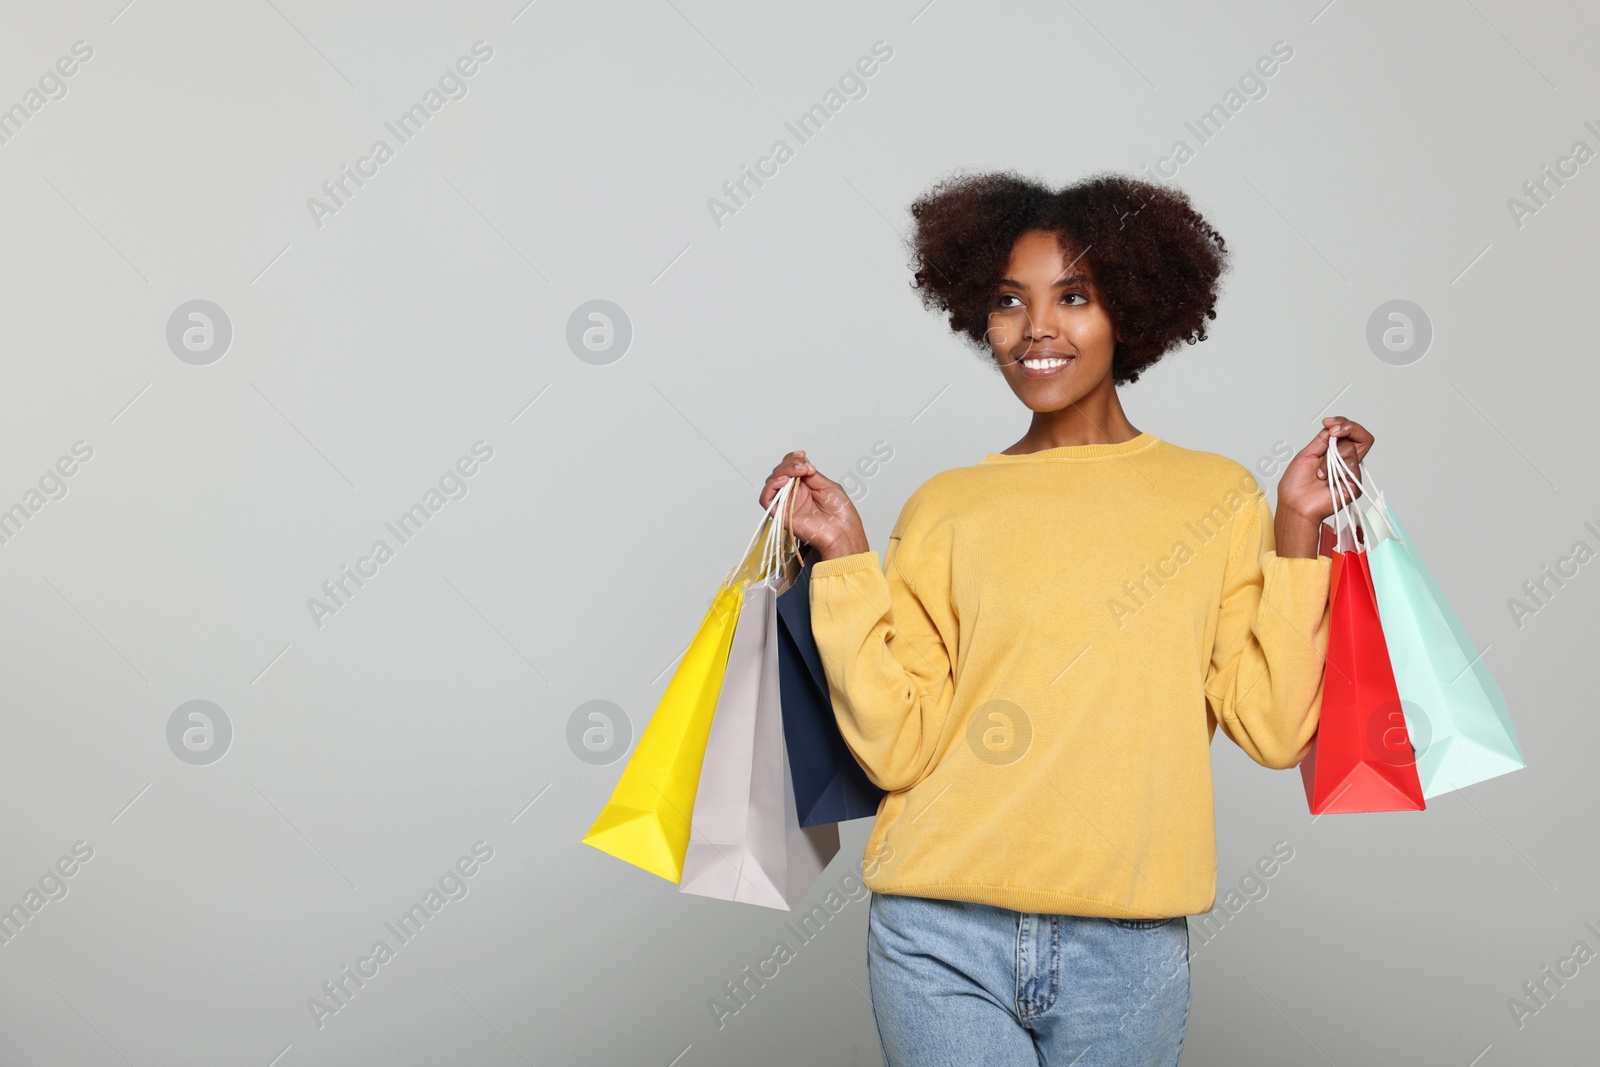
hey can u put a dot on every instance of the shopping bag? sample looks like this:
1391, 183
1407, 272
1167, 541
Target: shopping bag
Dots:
1455, 713
746, 843
829, 784
647, 820
1360, 758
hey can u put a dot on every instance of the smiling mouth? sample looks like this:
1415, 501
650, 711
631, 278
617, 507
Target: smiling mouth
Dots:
1044, 366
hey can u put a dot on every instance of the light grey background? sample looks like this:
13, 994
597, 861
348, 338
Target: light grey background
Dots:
431, 311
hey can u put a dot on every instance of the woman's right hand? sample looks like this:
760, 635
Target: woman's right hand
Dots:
819, 511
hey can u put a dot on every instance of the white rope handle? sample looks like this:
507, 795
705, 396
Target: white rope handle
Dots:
769, 545
1369, 487
1348, 487
791, 540
769, 549
1335, 491
776, 501
778, 544
785, 542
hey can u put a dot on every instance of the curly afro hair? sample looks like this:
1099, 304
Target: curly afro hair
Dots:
1154, 260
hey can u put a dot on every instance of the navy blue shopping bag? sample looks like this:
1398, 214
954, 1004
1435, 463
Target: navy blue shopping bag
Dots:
829, 785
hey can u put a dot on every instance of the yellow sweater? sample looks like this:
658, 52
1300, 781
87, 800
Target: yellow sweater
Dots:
1038, 668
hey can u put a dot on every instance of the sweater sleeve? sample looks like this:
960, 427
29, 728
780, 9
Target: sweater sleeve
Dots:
1264, 681
886, 659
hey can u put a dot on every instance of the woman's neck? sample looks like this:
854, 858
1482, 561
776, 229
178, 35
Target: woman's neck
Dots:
1081, 423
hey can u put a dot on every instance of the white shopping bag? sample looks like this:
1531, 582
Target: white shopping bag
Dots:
746, 843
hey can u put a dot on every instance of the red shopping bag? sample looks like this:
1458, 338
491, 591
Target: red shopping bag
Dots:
1361, 757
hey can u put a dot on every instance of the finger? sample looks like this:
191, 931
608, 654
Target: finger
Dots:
1316, 449
801, 469
775, 481
827, 495
794, 465
1360, 438
790, 460
1345, 430
818, 482
1316, 453
1351, 452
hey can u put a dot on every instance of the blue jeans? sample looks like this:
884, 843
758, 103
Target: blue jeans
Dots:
959, 984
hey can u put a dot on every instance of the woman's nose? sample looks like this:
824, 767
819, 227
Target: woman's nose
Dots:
1041, 328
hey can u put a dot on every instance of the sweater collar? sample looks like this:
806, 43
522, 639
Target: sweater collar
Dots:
1078, 452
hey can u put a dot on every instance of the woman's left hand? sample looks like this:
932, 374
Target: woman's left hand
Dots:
1303, 489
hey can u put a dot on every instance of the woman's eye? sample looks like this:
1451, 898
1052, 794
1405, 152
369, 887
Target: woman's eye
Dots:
1076, 296
1001, 301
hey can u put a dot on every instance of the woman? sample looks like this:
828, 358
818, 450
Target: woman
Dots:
1037, 669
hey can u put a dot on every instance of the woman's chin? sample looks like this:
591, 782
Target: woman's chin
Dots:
1044, 398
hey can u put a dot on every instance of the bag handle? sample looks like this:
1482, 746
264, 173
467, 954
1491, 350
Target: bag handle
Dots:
753, 537
1340, 476
1369, 489
778, 501
780, 542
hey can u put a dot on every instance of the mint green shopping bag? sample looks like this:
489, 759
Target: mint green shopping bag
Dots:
1454, 711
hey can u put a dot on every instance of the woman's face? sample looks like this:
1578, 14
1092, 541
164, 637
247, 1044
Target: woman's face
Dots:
1050, 334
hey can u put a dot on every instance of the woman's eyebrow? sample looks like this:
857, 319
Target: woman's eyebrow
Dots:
1059, 283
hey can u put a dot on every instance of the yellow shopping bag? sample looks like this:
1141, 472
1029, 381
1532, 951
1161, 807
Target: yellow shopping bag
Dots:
646, 821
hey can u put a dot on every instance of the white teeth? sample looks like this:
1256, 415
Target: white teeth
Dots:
1041, 364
